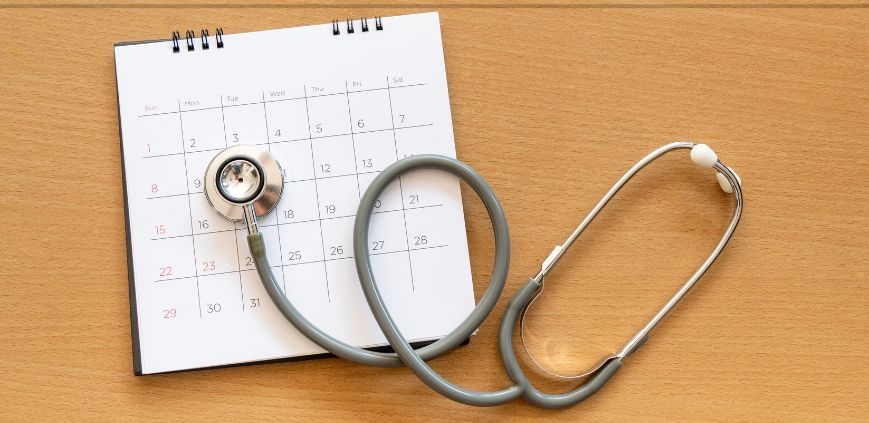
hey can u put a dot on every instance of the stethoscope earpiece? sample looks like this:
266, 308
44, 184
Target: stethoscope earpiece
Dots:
704, 156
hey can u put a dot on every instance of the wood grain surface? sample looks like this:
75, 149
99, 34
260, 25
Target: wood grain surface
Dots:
551, 104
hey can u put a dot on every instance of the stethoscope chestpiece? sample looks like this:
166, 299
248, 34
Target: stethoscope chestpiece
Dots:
243, 182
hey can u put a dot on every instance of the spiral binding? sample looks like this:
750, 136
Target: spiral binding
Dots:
190, 37
349, 27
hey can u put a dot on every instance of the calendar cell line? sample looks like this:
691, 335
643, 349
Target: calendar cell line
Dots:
397, 128
277, 221
181, 236
384, 88
307, 96
352, 139
223, 122
400, 187
157, 197
177, 154
402, 251
237, 252
298, 222
345, 134
316, 190
190, 207
196, 276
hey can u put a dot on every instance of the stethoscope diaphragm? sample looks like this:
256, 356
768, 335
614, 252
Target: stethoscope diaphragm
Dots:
243, 176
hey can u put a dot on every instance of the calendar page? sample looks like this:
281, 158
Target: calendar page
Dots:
334, 110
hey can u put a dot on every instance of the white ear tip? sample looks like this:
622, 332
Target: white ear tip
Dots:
703, 155
724, 183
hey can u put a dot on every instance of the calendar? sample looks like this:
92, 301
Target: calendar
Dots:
335, 104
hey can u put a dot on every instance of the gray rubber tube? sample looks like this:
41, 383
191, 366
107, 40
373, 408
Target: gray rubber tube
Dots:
531, 394
413, 359
323, 339
404, 353
441, 346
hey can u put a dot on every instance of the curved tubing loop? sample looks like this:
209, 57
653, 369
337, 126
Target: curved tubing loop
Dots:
310, 330
413, 359
408, 355
380, 359
610, 364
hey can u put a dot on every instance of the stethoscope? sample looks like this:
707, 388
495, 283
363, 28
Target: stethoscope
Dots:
245, 183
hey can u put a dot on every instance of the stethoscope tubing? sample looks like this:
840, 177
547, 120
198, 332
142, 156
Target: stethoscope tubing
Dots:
412, 358
458, 335
415, 360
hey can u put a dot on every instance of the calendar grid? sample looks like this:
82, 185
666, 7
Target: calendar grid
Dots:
190, 209
316, 179
363, 106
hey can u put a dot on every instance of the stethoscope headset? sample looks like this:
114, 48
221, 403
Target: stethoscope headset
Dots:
245, 183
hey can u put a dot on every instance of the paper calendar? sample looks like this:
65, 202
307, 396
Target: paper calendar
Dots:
335, 108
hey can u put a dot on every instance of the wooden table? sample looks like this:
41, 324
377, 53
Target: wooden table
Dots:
551, 103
